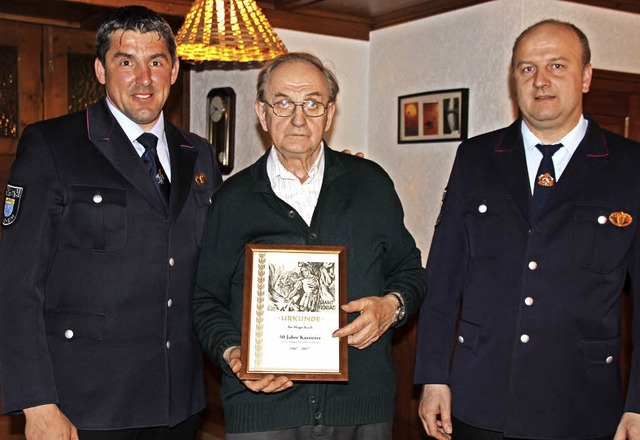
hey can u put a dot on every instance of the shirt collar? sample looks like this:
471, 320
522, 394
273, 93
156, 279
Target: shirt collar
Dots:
275, 169
133, 130
570, 141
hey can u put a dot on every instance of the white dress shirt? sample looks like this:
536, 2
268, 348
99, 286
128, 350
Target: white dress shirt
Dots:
561, 159
133, 131
302, 197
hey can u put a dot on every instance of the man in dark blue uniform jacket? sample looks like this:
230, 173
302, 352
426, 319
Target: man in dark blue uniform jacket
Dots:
96, 267
536, 283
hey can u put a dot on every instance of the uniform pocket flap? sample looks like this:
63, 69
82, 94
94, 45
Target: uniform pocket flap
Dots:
97, 195
601, 352
468, 336
203, 196
72, 325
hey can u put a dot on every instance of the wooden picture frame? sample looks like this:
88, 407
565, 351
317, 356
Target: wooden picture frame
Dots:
292, 299
438, 116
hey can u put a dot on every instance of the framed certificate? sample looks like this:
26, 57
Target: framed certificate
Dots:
292, 299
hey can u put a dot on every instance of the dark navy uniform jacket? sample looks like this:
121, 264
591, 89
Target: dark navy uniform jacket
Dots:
538, 346
96, 275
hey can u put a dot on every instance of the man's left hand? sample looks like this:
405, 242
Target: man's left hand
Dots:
377, 314
629, 427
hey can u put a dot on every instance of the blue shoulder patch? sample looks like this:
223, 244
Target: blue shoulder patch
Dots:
12, 198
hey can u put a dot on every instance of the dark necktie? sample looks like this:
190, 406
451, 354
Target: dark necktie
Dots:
152, 163
545, 177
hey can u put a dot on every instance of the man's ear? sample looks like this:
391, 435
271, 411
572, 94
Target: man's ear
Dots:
100, 71
330, 111
587, 72
174, 70
261, 111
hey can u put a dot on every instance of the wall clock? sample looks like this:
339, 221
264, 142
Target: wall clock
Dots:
221, 116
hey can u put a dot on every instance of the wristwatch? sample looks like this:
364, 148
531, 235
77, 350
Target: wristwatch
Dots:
400, 310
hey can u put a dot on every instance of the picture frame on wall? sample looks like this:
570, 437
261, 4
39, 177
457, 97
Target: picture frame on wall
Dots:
437, 116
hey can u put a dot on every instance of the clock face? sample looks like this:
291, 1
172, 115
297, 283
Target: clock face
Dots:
217, 108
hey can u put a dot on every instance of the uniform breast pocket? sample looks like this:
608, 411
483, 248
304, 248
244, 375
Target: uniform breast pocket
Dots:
96, 218
485, 222
72, 325
601, 237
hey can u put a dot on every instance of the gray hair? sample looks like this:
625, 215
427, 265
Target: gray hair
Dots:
270, 66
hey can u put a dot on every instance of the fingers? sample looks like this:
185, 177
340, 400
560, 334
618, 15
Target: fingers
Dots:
269, 384
235, 365
629, 427
376, 316
435, 411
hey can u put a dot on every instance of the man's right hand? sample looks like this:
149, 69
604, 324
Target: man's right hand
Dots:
268, 384
435, 411
46, 422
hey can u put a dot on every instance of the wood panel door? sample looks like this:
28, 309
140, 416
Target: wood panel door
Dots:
614, 103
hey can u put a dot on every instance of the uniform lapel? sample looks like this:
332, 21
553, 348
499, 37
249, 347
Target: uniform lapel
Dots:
587, 161
183, 159
511, 163
109, 138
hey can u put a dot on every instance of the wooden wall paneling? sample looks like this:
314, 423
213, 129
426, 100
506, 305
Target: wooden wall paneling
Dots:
58, 44
407, 424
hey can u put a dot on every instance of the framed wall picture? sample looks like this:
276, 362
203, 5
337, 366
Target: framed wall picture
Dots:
291, 307
438, 116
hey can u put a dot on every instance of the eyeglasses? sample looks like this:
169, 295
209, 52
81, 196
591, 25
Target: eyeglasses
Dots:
284, 108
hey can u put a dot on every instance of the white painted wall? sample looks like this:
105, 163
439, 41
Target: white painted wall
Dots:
467, 48
346, 57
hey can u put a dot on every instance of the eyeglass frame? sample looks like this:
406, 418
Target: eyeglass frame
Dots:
301, 105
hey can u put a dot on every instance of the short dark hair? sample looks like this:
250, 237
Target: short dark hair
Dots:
584, 42
133, 18
270, 66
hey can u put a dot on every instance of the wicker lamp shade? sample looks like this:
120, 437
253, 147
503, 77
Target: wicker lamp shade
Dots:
227, 30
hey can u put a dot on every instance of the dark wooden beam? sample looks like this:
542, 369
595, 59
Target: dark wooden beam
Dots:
426, 9
620, 5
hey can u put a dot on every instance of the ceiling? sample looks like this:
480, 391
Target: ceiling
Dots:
342, 18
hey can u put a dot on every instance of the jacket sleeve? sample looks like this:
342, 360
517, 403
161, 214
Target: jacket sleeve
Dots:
212, 313
403, 262
446, 273
26, 254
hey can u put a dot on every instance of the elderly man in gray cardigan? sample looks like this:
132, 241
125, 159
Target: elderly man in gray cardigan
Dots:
302, 192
